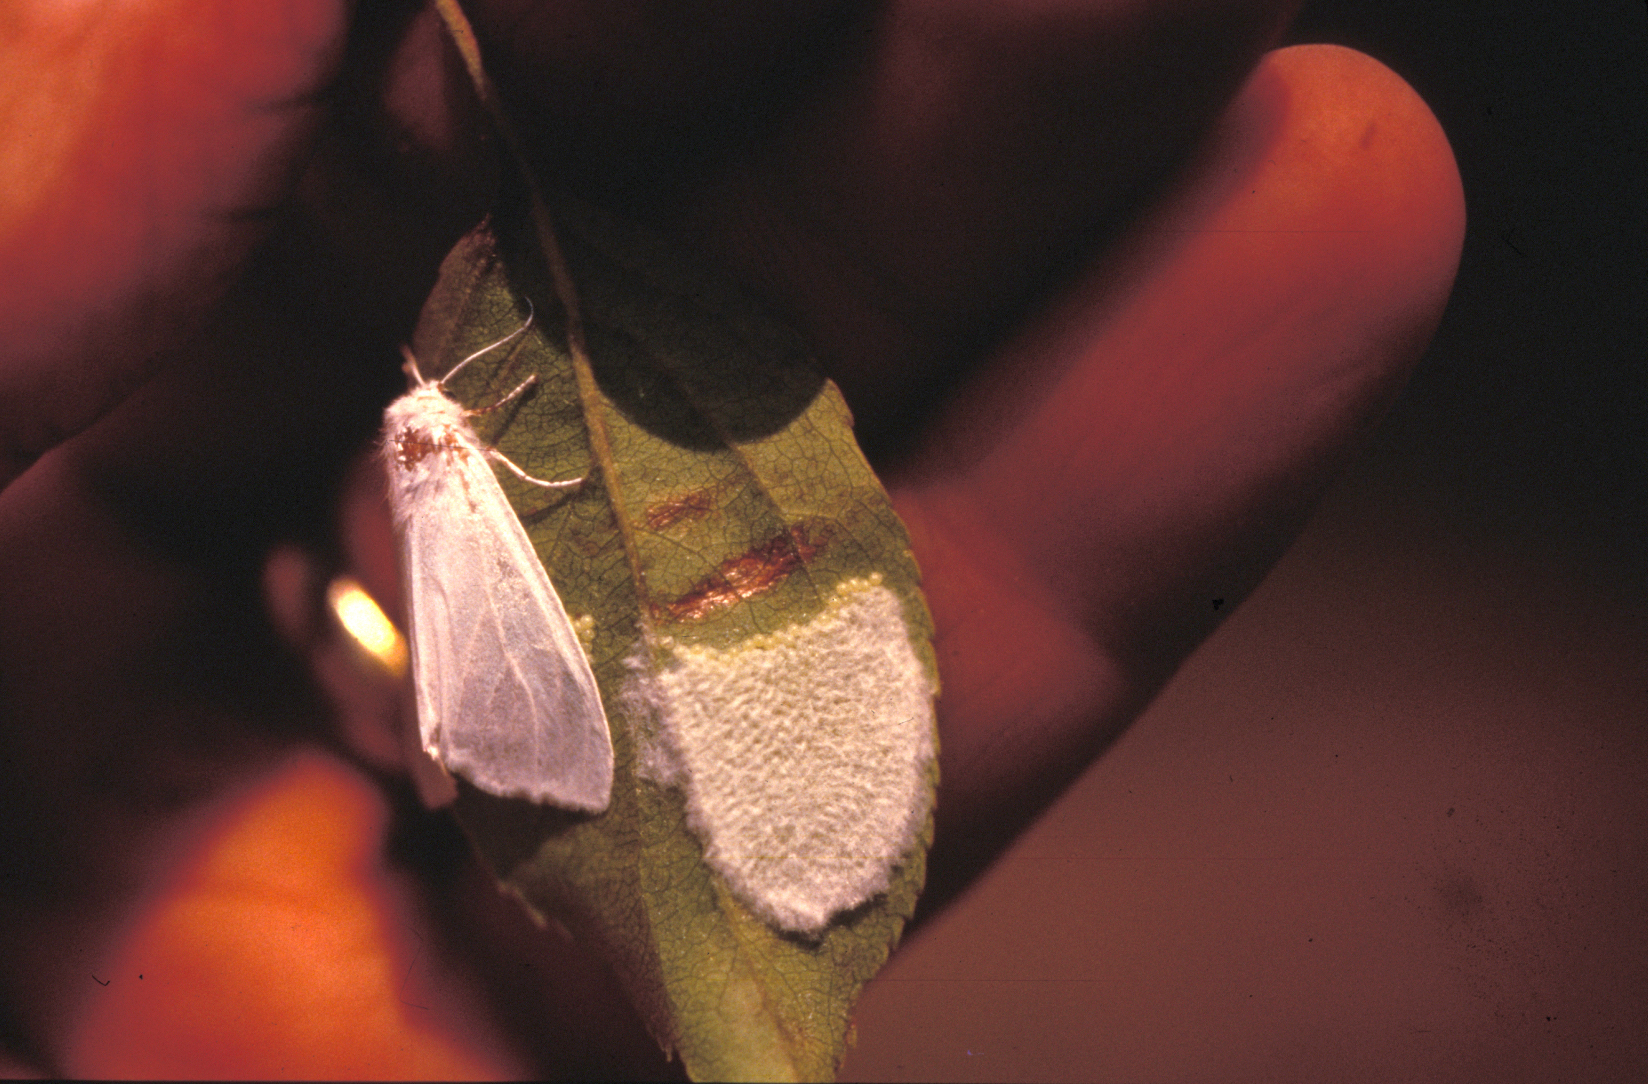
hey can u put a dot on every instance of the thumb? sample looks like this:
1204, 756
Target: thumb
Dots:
143, 138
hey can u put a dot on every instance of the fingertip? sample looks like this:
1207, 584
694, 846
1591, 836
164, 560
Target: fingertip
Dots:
1159, 431
368, 535
346, 625
1376, 160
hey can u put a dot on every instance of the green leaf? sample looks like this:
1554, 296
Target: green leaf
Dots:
739, 570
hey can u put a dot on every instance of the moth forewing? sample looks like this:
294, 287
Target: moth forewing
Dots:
505, 695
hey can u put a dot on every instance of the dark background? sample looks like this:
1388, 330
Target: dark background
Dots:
1391, 822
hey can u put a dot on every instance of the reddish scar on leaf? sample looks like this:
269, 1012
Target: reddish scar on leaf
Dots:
667, 513
749, 574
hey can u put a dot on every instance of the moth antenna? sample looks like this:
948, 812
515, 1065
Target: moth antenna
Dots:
512, 336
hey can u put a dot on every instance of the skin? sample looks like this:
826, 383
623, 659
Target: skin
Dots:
1112, 291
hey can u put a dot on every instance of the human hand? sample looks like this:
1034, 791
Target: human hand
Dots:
1104, 349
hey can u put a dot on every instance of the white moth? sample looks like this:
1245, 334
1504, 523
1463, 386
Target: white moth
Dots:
505, 696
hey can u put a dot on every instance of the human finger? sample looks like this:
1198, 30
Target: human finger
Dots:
1086, 510
143, 141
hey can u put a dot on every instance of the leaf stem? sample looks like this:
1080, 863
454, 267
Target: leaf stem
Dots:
566, 291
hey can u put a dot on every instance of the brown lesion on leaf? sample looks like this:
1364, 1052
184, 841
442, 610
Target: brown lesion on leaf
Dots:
685, 508
752, 573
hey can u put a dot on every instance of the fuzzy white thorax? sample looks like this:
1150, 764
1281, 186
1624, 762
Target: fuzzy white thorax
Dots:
424, 432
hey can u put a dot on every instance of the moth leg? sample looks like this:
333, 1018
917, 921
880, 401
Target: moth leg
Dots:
511, 397
502, 459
